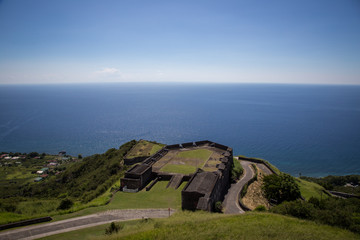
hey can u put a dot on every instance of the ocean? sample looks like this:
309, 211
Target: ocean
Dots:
309, 129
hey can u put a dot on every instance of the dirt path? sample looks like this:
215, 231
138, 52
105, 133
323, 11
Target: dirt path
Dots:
47, 229
231, 202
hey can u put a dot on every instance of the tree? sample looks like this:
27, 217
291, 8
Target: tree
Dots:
79, 156
33, 154
281, 188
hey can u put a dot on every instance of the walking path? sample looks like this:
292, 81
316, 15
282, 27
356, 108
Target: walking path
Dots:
47, 229
231, 201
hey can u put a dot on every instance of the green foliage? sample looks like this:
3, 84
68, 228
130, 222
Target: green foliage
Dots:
337, 183
260, 208
80, 156
298, 208
281, 188
113, 228
236, 170
218, 207
33, 154
84, 180
343, 213
65, 204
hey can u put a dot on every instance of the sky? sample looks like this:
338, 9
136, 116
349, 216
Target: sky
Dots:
243, 41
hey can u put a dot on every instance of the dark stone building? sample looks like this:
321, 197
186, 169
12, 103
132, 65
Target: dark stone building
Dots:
204, 188
137, 177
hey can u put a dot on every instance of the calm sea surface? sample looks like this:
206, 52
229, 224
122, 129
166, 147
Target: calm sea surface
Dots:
313, 130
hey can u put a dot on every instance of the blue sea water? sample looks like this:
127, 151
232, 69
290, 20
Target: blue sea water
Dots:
309, 129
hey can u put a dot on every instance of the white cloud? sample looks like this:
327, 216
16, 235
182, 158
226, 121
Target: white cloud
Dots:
107, 70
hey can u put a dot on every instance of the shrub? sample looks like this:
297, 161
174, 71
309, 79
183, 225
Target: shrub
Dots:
298, 208
236, 170
113, 228
218, 206
65, 204
260, 208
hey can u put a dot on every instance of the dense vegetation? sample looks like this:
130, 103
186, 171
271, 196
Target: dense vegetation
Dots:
85, 180
280, 188
80, 182
337, 183
236, 170
338, 212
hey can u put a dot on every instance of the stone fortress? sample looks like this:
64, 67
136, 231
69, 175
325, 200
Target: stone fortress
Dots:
206, 185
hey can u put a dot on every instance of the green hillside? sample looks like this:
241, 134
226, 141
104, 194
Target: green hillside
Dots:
79, 184
202, 225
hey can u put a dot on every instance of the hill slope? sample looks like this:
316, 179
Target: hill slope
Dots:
202, 225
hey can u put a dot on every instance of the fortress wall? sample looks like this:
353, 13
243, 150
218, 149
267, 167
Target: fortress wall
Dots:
25, 223
175, 146
189, 200
132, 161
131, 183
188, 144
223, 147
200, 143
146, 177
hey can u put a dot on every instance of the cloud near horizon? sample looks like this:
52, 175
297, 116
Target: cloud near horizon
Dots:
107, 70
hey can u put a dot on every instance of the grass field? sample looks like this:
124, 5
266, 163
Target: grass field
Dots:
144, 149
310, 189
158, 197
186, 162
202, 154
177, 168
203, 225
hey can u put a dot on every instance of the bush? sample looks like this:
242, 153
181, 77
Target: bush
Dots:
298, 208
343, 213
281, 188
260, 208
218, 207
236, 170
65, 204
113, 228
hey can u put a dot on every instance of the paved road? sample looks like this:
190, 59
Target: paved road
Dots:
47, 229
264, 168
231, 203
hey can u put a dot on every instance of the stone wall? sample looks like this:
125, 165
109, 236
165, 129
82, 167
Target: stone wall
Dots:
132, 161
25, 223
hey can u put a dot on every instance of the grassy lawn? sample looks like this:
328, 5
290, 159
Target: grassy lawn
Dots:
202, 154
158, 197
203, 225
98, 231
310, 189
177, 168
144, 149
155, 149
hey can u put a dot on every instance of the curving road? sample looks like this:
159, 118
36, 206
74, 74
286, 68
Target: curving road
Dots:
47, 229
231, 203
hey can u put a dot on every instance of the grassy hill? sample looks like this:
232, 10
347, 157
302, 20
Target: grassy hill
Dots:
202, 225
144, 148
80, 183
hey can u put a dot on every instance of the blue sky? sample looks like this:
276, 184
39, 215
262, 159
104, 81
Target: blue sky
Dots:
44, 41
